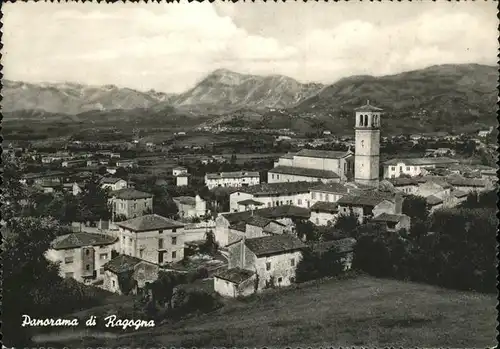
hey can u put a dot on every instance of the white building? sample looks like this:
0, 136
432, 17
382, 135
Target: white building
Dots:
113, 183
367, 144
414, 166
231, 179
152, 238
181, 176
312, 165
191, 207
82, 255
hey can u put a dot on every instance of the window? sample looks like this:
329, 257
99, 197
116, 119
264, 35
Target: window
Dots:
160, 257
174, 230
174, 254
160, 231
103, 256
299, 201
317, 220
277, 176
328, 197
87, 252
141, 252
160, 244
393, 168
268, 266
68, 275
135, 206
407, 168
366, 120
313, 196
268, 204
292, 262
174, 240
361, 120
68, 260
101, 271
87, 267
272, 176
280, 279
114, 283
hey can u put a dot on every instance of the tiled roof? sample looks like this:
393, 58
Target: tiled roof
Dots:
365, 199
435, 179
258, 221
288, 156
466, 182
276, 212
122, 263
76, 240
110, 180
302, 171
284, 188
239, 226
330, 188
401, 181
324, 206
274, 244
422, 161
342, 245
368, 107
149, 222
250, 202
387, 217
185, 200
459, 193
240, 174
235, 275
433, 200
323, 154
180, 168
130, 194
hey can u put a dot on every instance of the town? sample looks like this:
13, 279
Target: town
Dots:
220, 226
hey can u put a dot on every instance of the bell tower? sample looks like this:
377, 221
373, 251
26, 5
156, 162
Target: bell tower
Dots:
367, 149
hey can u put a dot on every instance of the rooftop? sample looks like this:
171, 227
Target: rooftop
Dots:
323, 154
302, 171
277, 188
324, 206
387, 217
250, 202
459, 193
433, 200
130, 194
269, 212
81, 239
235, 275
185, 200
110, 180
274, 244
122, 263
402, 181
422, 161
288, 156
239, 174
239, 226
365, 199
149, 222
330, 188
466, 182
259, 221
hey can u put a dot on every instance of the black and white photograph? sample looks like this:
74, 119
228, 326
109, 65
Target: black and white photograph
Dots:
221, 174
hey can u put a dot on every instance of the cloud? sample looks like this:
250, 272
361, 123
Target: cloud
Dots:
170, 46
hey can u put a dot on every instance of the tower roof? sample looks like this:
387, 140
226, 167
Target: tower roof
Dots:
368, 107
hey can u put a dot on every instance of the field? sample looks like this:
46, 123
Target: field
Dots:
355, 312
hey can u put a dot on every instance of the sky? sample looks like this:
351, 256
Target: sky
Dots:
170, 47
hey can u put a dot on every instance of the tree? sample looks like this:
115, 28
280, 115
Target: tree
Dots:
93, 202
415, 207
347, 224
306, 230
210, 246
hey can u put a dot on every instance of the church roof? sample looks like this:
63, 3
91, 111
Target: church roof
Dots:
368, 107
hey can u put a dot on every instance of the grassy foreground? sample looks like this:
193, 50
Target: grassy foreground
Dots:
356, 312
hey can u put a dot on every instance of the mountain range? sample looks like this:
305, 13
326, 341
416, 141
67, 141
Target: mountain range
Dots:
440, 95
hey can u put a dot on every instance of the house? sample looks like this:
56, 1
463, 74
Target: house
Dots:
231, 179
130, 203
82, 255
152, 238
271, 195
235, 282
73, 163
343, 247
123, 267
414, 166
75, 188
182, 179
113, 183
328, 192
368, 205
190, 207
324, 213
111, 169
469, 184
393, 222
255, 226
227, 222
126, 163
405, 185
312, 165
92, 163
179, 170
273, 258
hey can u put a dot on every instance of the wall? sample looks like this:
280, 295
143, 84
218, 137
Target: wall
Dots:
394, 171
198, 231
323, 218
181, 181
385, 206
317, 195
145, 272
298, 199
229, 289
121, 184
430, 188
132, 243
111, 282
281, 267
366, 161
102, 255
132, 208
231, 181
221, 230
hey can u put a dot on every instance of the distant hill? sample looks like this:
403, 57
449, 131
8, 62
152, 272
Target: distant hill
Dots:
439, 98
71, 98
224, 89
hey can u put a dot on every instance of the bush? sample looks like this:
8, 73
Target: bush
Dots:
191, 301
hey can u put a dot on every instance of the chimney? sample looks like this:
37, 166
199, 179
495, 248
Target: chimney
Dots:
398, 203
